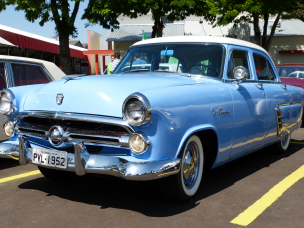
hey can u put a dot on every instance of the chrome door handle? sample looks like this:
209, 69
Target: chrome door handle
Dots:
260, 85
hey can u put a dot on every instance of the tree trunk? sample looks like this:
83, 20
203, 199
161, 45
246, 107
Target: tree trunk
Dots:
273, 28
256, 28
264, 37
157, 29
64, 54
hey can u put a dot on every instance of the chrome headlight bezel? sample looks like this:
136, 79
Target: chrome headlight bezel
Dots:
144, 138
10, 95
148, 110
13, 127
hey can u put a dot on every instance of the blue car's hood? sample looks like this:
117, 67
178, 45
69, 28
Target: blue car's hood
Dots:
102, 94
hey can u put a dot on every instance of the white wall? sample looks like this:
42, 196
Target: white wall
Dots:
280, 43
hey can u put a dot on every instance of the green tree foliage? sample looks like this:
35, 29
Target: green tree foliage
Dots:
296, 14
59, 12
2, 5
106, 12
236, 11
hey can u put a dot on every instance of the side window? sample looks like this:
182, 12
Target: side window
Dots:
263, 69
2, 77
238, 58
28, 74
301, 75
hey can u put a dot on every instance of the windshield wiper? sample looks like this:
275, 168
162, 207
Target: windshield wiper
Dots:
136, 70
169, 71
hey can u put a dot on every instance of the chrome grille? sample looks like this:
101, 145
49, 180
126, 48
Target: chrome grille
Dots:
91, 130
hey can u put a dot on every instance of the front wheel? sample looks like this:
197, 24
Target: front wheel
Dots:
282, 146
184, 185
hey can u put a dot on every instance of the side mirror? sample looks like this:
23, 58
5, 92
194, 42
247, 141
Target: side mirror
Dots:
240, 72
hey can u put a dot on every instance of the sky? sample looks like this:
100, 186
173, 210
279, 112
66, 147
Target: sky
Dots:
16, 19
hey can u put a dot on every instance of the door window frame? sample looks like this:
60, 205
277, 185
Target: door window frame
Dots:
248, 51
6, 74
46, 73
271, 67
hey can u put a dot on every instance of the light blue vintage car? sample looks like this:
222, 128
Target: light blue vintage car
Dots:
173, 107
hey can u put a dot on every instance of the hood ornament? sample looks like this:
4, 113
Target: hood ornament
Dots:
59, 98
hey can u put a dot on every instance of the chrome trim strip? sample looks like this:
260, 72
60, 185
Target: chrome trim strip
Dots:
81, 162
291, 103
77, 117
279, 121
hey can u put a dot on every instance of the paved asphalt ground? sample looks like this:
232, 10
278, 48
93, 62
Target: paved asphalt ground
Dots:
89, 201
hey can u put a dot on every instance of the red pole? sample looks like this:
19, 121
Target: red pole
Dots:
96, 64
104, 63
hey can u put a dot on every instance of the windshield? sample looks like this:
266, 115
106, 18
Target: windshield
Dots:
199, 59
291, 72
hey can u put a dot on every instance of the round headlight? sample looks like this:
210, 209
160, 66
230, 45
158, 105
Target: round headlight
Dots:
137, 109
139, 143
6, 102
8, 128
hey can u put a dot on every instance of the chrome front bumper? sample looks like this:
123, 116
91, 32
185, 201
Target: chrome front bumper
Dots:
8, 150
81, 162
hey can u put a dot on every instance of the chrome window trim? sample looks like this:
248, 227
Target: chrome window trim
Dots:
42, 67
244, 49
269, 60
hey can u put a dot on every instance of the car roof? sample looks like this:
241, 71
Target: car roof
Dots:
200, 39
55, 72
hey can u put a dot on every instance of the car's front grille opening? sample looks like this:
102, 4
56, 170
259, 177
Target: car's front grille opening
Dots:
31, 131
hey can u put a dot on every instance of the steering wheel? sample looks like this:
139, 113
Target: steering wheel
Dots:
203, 65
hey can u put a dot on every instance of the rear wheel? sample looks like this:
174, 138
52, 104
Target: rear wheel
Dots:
56, 175
282, 146
184, 185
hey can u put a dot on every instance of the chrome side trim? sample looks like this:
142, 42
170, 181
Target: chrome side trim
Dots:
77, 117
291, 103
279, 120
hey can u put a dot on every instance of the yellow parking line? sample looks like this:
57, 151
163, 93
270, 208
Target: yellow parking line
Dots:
297, 142
252, 212
6, 179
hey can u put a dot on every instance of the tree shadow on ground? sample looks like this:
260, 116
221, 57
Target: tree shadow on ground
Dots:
144, 197
8, 163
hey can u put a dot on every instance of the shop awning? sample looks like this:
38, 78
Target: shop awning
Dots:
33, 41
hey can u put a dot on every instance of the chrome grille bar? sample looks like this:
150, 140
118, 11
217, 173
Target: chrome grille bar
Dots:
117, 138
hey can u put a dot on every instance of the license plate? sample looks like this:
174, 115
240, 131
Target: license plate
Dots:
52, 158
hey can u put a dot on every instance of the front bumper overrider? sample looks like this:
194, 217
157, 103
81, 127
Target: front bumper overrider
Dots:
81, 162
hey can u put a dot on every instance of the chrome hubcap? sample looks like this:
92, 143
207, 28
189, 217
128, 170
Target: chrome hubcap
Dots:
191, 165
284, 140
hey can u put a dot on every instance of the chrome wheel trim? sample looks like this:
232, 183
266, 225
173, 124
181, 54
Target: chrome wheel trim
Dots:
190, 165
285, 142
192, 179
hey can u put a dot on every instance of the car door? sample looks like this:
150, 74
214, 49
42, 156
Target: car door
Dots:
3, 85
279, 98
250, 109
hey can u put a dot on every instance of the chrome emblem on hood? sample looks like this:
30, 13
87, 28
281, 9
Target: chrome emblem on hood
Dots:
59, 98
